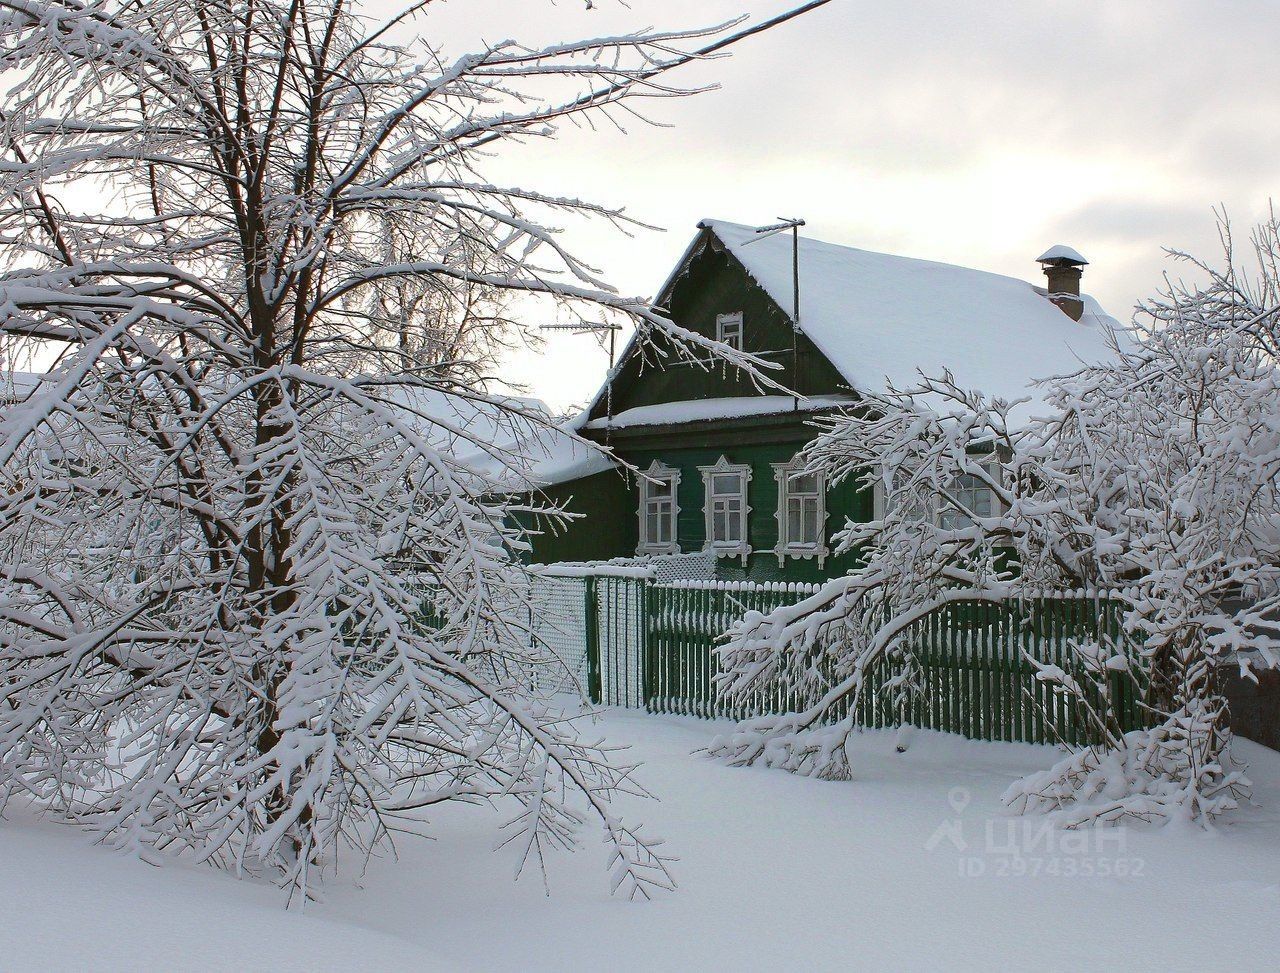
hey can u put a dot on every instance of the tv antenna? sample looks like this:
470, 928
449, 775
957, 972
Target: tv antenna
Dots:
598, 327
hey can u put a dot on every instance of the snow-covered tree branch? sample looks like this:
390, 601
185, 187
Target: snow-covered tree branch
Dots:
1150, 477
260, 235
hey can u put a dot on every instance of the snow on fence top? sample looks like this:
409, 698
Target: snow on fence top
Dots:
779, 587
878, 316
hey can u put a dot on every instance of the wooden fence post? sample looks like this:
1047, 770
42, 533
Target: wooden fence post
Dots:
591, 626
644, 587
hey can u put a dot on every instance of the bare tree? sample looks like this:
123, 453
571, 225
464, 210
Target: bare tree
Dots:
260, 232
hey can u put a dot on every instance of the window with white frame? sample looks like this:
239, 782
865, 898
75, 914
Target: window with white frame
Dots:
729, 329
659, 510
802, 512
726, 507
969, 492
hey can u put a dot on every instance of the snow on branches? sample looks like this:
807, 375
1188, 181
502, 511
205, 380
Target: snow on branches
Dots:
256, 604
1152, 476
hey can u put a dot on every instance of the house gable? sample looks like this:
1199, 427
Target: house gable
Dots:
711, 281
870, 321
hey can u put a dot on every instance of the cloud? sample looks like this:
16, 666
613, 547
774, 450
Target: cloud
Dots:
977, 133
1127, 220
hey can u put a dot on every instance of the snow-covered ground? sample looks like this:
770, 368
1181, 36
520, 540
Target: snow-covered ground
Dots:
911, 866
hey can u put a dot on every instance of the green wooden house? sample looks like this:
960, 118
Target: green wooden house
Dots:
719, 451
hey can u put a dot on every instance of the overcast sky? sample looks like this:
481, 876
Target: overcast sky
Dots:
976, 133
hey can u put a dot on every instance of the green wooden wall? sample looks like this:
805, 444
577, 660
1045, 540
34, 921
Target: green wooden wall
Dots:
844, 502
609, 502
715, 283
608, 527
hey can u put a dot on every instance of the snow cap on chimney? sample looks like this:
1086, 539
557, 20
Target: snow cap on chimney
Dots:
1061, 253
1063, 266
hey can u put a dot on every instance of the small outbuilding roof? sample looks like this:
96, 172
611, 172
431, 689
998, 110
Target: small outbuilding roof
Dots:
525, 447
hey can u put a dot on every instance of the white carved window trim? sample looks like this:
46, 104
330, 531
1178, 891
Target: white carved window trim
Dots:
729, 329
726, 548
787, 547
659, 472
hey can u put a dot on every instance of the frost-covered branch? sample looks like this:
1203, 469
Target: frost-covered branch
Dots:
260, 595
1152, 477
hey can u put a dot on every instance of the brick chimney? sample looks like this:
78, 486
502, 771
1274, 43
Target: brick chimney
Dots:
1063, 267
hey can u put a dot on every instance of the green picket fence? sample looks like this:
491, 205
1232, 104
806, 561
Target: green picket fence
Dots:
685, 622
625, 640
970, 672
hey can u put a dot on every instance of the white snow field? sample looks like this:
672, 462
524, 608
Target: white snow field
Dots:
912, 866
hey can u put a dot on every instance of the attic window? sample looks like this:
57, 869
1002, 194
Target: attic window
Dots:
729, 329
726, 508
658, 510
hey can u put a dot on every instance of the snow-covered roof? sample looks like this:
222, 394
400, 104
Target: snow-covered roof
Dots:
671, 413
876, 316
524, 447
556, 456
15, 386
1060, 251
454, 421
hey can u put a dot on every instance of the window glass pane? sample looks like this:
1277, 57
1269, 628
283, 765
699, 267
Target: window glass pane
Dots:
981, 504
810, 534
803, 483
972, 494
729, 329
719, 529
793, 522
657, 527
802, 494
728, 483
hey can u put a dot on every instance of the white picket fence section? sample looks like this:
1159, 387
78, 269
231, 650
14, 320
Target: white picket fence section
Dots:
602, 621
576, 607
625, 639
